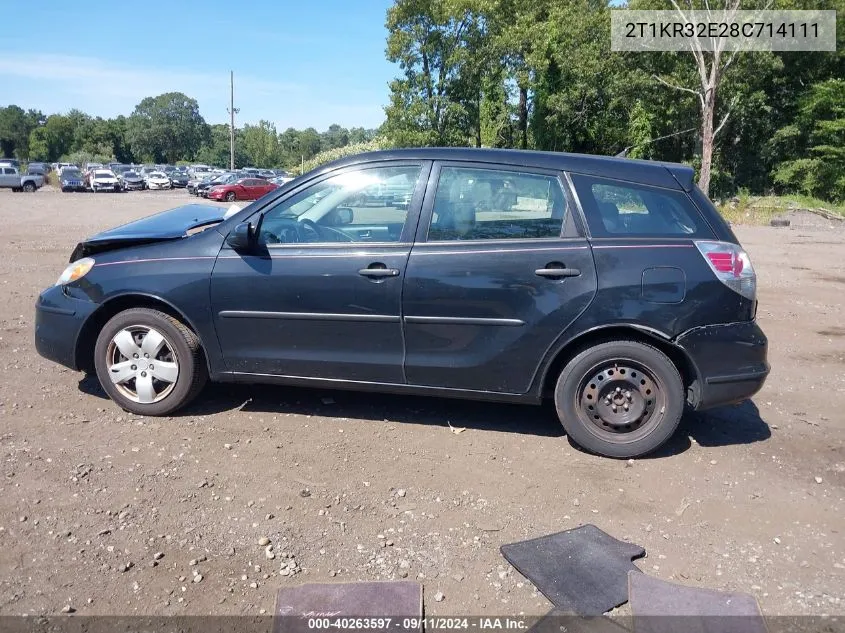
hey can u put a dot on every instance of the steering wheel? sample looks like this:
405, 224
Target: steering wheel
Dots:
306, 227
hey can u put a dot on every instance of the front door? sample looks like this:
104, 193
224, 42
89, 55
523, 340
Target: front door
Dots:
320, 298
498, 272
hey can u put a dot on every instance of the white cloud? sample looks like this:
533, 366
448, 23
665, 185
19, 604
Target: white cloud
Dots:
57, 83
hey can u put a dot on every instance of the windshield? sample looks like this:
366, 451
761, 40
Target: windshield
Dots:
103, 174
71, 173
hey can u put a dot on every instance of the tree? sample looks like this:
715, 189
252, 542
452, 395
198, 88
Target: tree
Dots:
15, 128
166, 128
216, 150
815, 143
435, 102
711, 66
334, 137
261, 144
53, 139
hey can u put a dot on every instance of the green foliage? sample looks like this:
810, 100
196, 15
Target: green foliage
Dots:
640, 132
52, 139
82, 157
340, 152
436, 44
15, 128
814, 145
166, 128
540, 74
261, 143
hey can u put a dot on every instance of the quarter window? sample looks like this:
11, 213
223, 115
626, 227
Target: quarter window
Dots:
364, 205
484, 204
616, 208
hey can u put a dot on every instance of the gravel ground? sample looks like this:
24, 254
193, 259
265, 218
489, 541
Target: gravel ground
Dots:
110, 513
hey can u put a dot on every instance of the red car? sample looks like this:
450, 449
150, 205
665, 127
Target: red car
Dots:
243, 189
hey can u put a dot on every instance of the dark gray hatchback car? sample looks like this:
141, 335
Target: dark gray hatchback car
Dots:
611, 286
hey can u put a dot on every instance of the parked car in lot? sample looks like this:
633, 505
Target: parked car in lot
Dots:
38, 169
178, 179
610, 286
157, 180
71, 179
195, 182
202, 188
241, 189
132, 181
10, 178
103, 180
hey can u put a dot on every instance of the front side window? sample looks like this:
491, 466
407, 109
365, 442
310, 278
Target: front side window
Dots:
486, 204
615, 208
363, 205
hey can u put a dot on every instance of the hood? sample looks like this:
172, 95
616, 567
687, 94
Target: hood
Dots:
167, 225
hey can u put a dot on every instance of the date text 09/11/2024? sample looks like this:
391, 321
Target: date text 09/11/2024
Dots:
416, 624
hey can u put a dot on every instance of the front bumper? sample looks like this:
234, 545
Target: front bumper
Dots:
58, 322
160, 186
730, 361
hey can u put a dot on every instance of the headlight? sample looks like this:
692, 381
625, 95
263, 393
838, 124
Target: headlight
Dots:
75, 271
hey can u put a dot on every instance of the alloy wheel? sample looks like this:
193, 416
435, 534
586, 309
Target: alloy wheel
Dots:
142, 364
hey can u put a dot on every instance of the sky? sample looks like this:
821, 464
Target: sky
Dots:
297, 64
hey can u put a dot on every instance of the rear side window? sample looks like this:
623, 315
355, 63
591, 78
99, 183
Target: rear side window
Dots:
487, 204
622, 209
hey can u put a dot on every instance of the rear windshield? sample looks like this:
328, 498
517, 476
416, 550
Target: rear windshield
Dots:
623, 209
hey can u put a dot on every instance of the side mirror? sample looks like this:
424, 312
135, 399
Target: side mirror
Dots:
242, 237
339, 216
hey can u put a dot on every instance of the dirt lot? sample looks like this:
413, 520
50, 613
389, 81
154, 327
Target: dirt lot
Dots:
377, 487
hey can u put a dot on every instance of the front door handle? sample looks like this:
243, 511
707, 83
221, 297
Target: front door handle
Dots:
378, 270
557, 270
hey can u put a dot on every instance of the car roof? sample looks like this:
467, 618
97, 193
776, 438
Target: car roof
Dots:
660, 174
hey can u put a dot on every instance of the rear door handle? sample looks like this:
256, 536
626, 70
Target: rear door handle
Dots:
557, 273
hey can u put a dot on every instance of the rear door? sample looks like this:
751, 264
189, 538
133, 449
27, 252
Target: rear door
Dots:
499, 270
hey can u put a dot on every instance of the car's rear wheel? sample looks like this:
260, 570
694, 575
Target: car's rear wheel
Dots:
149, 362
620, 398
29, 187
231, 197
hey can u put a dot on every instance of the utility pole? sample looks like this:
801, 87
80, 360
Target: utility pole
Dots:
232, 110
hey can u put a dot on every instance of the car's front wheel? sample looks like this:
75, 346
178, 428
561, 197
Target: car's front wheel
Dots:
620, 398
149, 362
231, 197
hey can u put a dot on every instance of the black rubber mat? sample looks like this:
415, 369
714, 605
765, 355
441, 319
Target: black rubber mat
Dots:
664, 607
582, 571
375, 601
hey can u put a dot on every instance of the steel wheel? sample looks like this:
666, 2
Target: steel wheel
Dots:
142, 364
620, 398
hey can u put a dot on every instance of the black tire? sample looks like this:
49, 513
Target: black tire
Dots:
29, 187
185, 347
16, 189
231, 196
637, 376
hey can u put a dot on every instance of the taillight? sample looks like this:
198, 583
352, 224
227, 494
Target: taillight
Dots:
731, 265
